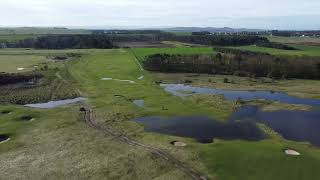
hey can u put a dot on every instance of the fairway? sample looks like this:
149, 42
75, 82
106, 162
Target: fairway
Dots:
20, 63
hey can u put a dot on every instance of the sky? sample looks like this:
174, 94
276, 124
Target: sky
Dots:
262, 14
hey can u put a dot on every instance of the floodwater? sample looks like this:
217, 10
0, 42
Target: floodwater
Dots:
293, 125
139, 102
121, 80
203, 129
54, 104
178, 90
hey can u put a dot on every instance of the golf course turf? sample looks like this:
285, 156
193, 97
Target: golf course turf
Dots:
59, 144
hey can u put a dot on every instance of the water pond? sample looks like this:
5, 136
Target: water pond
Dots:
139, 103
293, 125
186, 90
54, 104
201, 128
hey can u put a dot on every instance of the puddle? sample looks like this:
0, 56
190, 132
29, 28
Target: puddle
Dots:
54, 104
121, 80
179, 89
139, 103
129, 81
201, 128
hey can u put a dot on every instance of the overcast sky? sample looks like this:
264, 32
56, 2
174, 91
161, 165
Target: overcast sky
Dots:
267, 14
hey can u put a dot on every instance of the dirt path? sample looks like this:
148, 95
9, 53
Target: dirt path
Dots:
162, 154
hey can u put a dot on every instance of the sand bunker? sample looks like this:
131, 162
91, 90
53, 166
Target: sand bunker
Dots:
178, 143
20, 69
291, 152
141, 77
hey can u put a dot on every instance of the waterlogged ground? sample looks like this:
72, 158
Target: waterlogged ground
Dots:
60, 137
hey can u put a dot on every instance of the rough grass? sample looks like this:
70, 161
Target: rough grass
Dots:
252, 158
11, 63
58, 144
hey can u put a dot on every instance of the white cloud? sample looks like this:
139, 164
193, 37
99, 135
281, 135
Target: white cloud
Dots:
154, 13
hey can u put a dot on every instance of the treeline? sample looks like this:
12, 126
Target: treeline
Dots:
238, 51
276, 45
13, 78
107, 41
64, 42
252, 65
221, 40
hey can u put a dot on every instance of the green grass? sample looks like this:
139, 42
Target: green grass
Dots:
14, 38
263, 160
225, 160
20, 51
11, 63
304, 50
58, 144
141, 53
295, 40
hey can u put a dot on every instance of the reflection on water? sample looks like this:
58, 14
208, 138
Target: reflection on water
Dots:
201, 128
139, 102
292, 125
177, 90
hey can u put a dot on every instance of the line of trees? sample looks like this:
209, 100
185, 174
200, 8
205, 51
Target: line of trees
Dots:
107, 41
64, 42
253, 65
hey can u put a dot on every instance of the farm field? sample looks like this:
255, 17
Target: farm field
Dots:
14, 38
141, 53
61, 137
304, 50
295, 40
